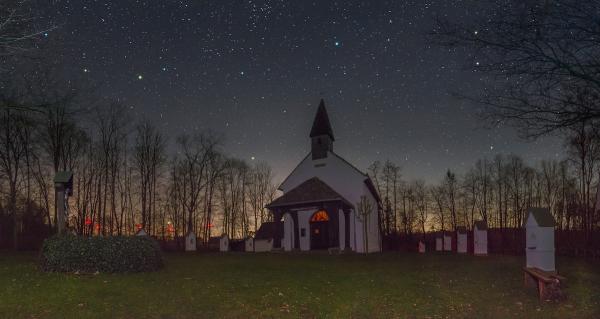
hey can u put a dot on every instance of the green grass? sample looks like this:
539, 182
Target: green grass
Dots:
242, 285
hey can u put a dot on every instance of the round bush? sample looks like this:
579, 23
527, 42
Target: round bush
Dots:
69, 253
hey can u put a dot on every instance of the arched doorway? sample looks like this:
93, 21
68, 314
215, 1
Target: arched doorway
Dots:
319, 230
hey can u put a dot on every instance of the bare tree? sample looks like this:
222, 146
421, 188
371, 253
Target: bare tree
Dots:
17, 27
261, 191
149, 156
364, 210
13, 147
111, 122
450, 188
196, 152
437, 194
542, 57
584, 152
422, 199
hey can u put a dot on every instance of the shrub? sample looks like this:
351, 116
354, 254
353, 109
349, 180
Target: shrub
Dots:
69, 253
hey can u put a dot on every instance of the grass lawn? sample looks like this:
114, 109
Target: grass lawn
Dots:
389, 285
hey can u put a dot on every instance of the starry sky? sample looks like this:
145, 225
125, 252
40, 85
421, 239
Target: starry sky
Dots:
256, 70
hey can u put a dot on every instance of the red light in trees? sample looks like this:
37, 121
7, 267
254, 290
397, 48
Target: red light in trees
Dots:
138, 226
98, 227
88, 221
209, 225
170, 229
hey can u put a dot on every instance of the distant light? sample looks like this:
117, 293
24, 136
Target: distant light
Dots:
242, 73
140, 77
86, 70
46, 34
252, 158
476, 32
337, 43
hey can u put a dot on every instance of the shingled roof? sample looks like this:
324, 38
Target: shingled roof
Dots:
313, 190
542, 217
321, 125
268, 230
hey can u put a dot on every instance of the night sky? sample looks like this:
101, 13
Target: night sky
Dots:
255, 71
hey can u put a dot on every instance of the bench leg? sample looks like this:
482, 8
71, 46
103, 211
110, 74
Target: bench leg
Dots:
529, 280
541, 287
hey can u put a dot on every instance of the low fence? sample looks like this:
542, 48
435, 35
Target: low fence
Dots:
510, 241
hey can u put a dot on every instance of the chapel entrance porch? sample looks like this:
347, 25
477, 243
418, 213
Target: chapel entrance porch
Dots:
319, 230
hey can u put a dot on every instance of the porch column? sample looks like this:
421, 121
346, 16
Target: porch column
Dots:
296, 231
347, 227
342, 229
278, 229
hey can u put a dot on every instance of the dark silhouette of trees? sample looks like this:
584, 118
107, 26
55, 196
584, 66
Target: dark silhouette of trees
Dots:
542, 59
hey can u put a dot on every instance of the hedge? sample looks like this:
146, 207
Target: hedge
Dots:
69, 253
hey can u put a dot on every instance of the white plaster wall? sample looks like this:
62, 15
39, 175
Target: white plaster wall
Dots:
352, 229
263, 245
349, 183
461, 243
357, 231
303, 222
336, 173
374, 236
480, 242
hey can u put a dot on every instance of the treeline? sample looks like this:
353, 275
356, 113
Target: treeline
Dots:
498, 191
128, 174
124, 178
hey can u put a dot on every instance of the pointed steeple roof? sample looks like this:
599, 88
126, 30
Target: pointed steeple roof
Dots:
321, 125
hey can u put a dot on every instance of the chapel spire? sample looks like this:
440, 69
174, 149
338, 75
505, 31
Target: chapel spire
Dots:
321, 134
321, 124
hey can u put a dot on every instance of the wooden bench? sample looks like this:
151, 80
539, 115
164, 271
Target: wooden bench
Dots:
548, 283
